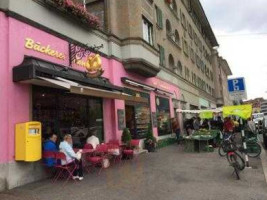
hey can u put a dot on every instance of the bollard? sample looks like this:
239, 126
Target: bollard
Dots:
244, 143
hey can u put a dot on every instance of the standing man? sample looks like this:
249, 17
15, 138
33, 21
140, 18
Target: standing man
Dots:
176, 129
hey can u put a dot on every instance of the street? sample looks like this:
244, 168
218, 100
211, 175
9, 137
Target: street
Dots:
165, 175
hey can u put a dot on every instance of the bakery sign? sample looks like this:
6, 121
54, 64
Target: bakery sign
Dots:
45, 49
83, 57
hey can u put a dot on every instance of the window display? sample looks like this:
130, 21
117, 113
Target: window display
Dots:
163, 116
64, 113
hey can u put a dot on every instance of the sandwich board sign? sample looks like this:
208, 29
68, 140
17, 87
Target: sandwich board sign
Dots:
237, 89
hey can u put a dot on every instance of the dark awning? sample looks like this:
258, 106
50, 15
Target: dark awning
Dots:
32, 68
40, 72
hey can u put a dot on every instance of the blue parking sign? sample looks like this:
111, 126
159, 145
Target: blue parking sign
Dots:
236, 85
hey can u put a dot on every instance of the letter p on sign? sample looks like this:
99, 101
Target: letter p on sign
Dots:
236, 86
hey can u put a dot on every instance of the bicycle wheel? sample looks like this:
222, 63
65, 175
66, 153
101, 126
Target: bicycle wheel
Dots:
238, 161
237, 173
253, 150
232, 159
221, 151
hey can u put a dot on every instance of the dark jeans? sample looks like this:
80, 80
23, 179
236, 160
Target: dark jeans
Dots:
177, 132
79, 170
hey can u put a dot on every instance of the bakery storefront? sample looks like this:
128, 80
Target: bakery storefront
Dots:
72, 89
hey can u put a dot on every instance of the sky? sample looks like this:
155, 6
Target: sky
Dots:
240, 27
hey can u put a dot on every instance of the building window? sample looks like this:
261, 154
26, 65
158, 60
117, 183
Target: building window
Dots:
171, 62
161, 56
192, 55
180, 68
173, 6
168, 29
183, 20
190, 31
159, 17
185, 47
177, 37
147, 31
163, 116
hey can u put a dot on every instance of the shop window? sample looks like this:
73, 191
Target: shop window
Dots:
159, 17
163, 116
137, 115
64, 113
147, 31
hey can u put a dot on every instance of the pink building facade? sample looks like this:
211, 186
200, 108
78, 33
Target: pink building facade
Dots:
16, 97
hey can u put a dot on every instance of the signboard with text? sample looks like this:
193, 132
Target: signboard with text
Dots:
237, 89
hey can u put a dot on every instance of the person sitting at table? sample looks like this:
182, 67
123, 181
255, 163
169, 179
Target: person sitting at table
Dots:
93, 140
50, 146
66, 147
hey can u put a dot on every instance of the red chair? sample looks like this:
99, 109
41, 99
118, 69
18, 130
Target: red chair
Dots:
64, 171
115, 142
88, 146
98, 156
129, 153
114, 147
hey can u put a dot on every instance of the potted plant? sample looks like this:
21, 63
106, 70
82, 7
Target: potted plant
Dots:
126, 136
150, 141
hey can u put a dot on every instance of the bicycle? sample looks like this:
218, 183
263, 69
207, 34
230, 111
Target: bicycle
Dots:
235, 159
253, 147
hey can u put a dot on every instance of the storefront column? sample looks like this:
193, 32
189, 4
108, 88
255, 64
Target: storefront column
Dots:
172, 115
110, 112
109, 116
153, 109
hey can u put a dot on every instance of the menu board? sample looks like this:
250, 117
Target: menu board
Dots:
121, 119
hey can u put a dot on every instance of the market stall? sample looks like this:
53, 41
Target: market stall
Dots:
202, 139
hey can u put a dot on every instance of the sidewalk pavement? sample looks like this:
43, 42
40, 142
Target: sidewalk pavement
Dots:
169, 174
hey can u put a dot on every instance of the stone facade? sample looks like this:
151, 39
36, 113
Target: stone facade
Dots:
182, 34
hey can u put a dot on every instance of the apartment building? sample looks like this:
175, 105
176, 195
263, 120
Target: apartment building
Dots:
177, 32
221, 73
156, 56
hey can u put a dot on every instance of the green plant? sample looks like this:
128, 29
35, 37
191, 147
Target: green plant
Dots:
126, 136
149, 136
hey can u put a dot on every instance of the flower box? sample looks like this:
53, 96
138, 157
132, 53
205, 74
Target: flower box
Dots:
75, 11
168, 1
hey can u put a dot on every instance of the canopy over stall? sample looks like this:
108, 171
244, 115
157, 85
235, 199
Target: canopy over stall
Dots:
243, 111
204, 114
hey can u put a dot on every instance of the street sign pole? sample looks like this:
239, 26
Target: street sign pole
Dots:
237, 91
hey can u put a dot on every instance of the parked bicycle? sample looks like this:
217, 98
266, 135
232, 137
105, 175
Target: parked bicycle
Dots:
235, 159
253, 147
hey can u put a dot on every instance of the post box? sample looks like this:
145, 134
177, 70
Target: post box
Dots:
28, 144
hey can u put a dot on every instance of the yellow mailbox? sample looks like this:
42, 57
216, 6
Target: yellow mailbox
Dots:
28, 142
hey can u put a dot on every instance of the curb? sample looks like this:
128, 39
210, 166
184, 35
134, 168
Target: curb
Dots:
263, 158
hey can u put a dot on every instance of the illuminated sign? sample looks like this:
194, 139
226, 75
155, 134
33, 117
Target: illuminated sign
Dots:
44, 49
92, 64
85, 58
